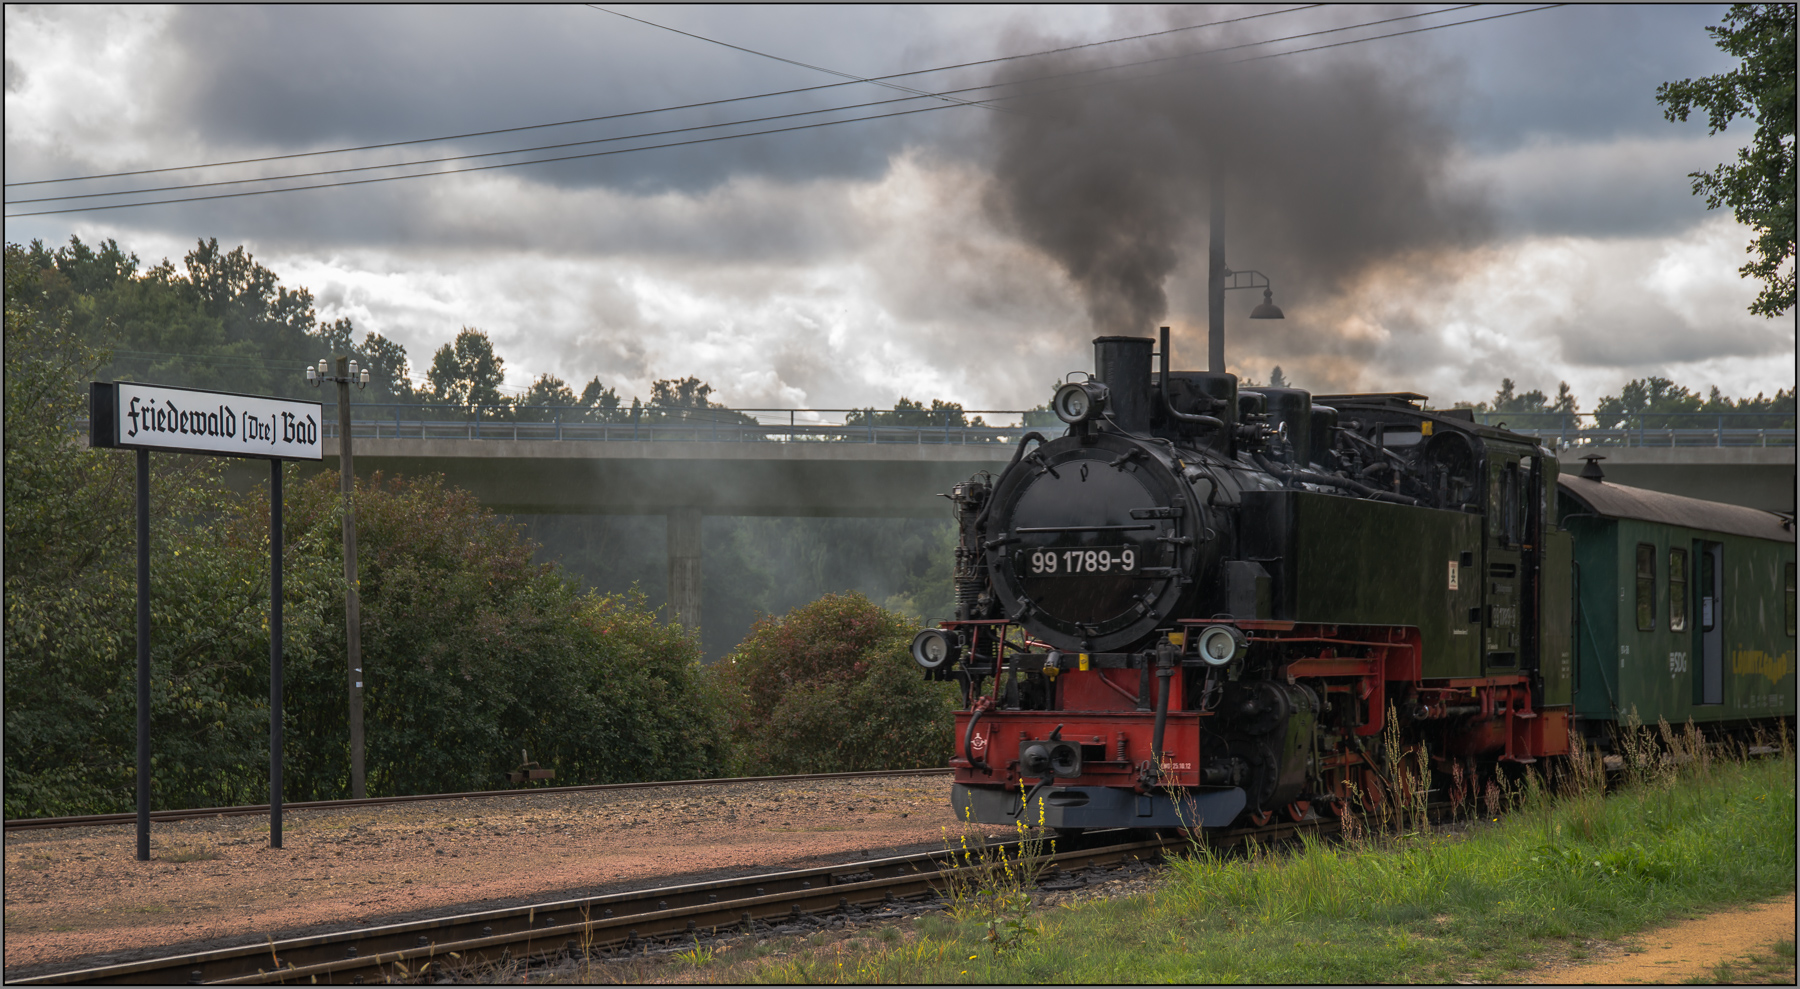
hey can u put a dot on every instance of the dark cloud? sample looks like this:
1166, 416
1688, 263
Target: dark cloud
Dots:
306, 77
1581, 72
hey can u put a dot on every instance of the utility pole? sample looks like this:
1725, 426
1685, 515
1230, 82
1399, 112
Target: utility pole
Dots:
1215, 276
352, 604
346, 374
1221, 279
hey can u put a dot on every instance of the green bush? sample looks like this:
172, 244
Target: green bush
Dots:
472, 653
830, 687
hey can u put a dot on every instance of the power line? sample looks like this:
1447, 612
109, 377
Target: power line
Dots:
671, 109
1397, 34
727, 137
679, 130
789, 61
469, 157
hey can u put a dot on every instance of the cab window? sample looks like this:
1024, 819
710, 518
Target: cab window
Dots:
1509, 505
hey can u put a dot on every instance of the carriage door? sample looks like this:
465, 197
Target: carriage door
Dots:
1507, 514
1709, 673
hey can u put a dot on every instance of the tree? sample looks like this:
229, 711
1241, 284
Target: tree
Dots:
1277, 379
1534, 404
70, 598
907, 412
390, 374
1654, 403
226, 324
831, 687
549, 394
467, 371
681, 393
1760, 186
472, 652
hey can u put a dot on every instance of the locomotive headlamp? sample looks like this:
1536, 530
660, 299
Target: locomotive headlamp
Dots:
1220, 644
1079, 401
934, 648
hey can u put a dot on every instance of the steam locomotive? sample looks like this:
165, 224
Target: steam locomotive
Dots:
1203, 603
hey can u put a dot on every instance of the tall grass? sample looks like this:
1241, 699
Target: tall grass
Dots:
1688, 831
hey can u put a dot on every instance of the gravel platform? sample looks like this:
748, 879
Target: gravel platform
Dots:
79, 896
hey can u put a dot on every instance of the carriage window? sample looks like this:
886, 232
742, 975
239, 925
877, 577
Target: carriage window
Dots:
1788, 599
1646, 587
1678, 590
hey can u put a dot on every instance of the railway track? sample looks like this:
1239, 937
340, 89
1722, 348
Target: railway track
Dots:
598, 925
92, 820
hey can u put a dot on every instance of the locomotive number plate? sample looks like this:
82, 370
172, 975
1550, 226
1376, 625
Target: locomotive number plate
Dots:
1078, 562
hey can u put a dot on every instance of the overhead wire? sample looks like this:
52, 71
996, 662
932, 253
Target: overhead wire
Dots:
661, 133
716, 138
790, 61
670, 109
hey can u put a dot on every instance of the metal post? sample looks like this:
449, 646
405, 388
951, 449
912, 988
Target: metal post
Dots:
352, 607
1215, 277
275, 643
143, 655
684, 565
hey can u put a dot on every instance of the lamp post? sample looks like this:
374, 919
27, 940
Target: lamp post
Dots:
1220, 279
348, 373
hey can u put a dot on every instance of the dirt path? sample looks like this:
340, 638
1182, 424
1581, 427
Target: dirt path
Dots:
80, 893
1681, 951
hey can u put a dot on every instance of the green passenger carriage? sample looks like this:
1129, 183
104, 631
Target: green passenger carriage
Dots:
1684, 608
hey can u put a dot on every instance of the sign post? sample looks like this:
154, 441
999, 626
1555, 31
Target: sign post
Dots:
128, 415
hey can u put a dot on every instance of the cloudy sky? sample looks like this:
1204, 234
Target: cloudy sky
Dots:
1435, 210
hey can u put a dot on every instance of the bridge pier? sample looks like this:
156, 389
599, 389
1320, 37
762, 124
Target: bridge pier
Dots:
684, 566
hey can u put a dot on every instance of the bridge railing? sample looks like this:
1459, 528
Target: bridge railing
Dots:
575, 424
1653, 429
978, 426
964, 427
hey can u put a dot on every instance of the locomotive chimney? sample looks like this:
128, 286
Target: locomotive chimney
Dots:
1122, 364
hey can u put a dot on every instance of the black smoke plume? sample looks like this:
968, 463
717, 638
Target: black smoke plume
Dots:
1332, 163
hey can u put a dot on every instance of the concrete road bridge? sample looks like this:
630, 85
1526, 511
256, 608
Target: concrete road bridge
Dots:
845, 463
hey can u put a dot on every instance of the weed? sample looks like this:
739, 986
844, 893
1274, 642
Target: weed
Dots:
701, 956
1769, 966
991, 884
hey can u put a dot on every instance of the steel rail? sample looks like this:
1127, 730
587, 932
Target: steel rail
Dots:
583, 927
95, 820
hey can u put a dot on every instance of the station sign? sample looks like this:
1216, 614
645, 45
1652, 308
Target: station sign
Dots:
132, 416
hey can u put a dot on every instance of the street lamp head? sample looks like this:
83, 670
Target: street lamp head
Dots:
363, 380
321, 367
312, 376
353, 369
1268, 309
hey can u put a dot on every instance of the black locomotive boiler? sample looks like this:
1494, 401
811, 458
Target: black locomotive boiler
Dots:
1227, 595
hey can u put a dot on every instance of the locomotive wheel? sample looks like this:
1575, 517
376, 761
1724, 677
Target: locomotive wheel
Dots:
1260, 817
1299, 810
